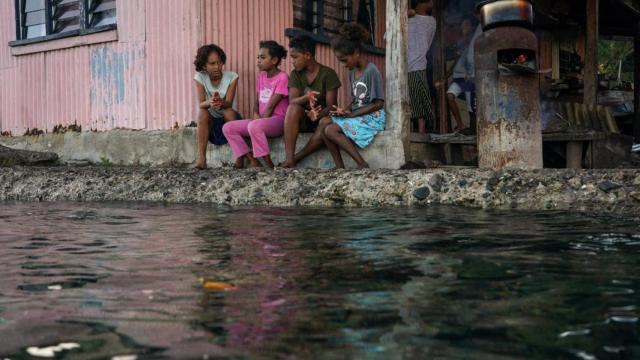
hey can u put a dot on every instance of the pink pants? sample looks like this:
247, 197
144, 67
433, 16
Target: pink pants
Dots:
257, 130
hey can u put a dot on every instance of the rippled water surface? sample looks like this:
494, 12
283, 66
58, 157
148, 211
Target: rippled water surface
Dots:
126, 281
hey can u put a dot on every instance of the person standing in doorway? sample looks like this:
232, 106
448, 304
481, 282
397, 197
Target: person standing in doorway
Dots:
463, 84
422, 30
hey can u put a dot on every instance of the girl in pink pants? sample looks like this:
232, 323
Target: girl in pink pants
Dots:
271, 104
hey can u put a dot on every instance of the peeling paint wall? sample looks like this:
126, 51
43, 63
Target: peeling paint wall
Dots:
117, 86
98, 86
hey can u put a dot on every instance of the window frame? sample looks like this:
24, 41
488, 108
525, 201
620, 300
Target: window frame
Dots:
314, 15
84, 25
313, 25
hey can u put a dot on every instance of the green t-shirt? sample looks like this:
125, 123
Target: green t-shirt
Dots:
325, 81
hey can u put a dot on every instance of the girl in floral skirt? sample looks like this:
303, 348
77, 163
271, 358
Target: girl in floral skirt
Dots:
355, 126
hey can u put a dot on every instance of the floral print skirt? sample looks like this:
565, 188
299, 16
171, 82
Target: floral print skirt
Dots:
361, 129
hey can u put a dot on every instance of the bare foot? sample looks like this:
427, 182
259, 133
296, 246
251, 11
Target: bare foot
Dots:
458, 128
422, 126
200, 167
363, 166
287, 165
267, 160
239, 163
255, 164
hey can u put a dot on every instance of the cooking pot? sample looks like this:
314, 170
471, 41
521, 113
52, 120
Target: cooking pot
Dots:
496, 13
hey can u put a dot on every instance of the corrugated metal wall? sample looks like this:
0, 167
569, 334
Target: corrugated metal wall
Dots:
143, 80
173, 30
99, 86
65, 83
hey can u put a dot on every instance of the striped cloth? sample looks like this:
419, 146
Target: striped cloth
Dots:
420, 97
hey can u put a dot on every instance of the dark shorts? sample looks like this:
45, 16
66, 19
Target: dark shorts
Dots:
216, 136
307, 125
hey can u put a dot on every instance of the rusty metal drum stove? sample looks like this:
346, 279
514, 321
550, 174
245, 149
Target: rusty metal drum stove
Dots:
507, 85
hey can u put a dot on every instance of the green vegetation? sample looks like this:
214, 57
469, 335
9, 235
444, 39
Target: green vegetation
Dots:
610, 53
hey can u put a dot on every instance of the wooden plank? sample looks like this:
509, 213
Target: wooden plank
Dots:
580, 135
591, 55
592, 117
636, 69
419, 138
574, 155
571, 118
440, 67
447, 139
612, 125
585, 135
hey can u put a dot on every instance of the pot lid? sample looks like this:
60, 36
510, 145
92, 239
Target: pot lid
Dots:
481, 3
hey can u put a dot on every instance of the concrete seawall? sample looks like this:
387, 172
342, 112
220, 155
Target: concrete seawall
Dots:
178, 147
597, 191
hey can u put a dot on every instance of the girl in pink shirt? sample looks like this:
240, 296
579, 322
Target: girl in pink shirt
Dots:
269, 110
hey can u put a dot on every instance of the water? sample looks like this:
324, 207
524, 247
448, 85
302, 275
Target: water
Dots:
122, 281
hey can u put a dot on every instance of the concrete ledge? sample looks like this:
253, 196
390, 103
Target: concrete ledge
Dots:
610, 191
178, 148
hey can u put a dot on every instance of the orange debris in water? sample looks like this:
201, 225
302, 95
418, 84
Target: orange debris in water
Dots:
214, 285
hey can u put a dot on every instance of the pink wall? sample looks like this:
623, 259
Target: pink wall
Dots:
98, 86
144, 79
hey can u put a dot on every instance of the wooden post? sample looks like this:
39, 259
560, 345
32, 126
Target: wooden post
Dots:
397, 78
574, 155
591, 53
636, 84
440, 68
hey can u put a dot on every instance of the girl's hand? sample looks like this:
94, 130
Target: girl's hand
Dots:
314, 113
312, 98
216, 103
340, 112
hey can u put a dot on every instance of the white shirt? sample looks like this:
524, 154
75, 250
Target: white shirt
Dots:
466, 67
227, 78
422, 30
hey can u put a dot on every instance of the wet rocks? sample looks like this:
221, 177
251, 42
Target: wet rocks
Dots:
11, 157
422, 193
575, 182
512, 189
608, 186
493, 181
436, 182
